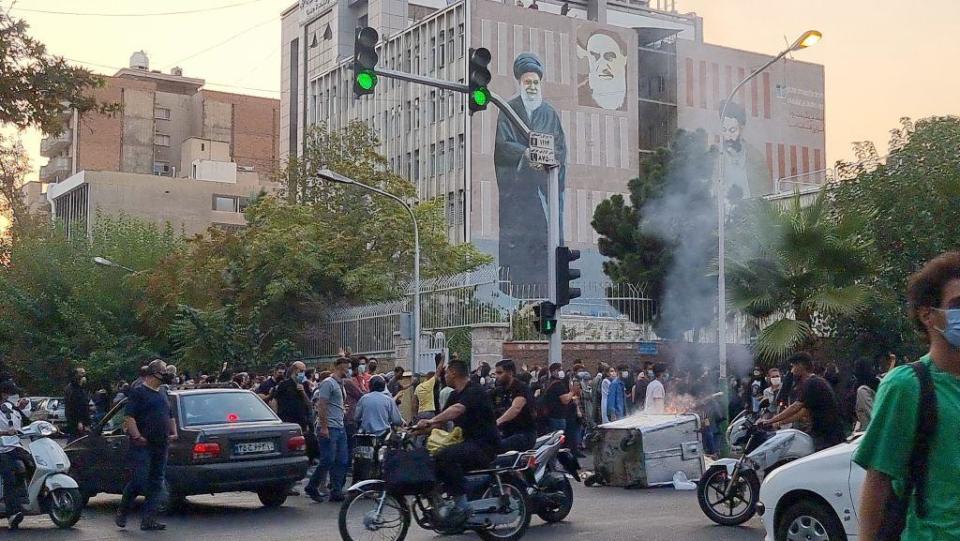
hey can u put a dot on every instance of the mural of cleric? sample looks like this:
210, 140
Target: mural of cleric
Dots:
522, 185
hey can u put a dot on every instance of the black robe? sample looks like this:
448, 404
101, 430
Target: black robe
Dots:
523, 222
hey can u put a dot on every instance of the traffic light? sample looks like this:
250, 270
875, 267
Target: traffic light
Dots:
545, 321
565, 275
479, 78
365, 61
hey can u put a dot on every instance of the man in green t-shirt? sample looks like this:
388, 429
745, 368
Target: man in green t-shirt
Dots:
934, 299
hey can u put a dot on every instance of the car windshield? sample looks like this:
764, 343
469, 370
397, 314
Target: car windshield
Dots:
221, 408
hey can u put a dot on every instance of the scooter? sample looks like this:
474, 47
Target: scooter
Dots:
41, 473
549, 489
729, 491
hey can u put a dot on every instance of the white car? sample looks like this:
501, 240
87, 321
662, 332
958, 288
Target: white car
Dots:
815, 498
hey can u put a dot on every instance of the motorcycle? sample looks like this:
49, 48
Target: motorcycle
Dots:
548, 482
496, 495
729, 491
41, 474
366, 450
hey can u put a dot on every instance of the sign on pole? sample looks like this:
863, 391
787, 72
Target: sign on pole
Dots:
542, 150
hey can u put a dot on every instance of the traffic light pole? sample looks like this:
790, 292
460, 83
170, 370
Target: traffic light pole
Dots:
553, 188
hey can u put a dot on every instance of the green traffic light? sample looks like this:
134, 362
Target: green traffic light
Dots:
366, 80
480, 96
549, 326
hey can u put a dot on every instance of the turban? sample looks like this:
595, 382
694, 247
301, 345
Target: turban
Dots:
527, 63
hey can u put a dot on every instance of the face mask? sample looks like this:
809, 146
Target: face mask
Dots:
483, 381
775, 382
952, 331
349, 372
650, 374
83, 380
561, 374
301, 377
167, 378
362, 369
624, 374
584, 375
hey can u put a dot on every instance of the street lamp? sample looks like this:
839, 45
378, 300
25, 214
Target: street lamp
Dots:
330, 176
808, 38
102, 261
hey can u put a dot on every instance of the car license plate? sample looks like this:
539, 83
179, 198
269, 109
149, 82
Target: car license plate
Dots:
365, 452
253, 447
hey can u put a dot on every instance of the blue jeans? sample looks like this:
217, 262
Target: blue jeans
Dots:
148, 467
334, 457
554, 425
11, 495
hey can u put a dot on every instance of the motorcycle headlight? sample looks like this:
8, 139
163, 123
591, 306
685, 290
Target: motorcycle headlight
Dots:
46, 429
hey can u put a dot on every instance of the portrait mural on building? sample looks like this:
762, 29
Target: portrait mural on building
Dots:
523, 185
568, 78
602, 70
745, 169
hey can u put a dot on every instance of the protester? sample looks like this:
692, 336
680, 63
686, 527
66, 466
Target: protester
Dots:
887, 451
574, 429
616, 397
817, 398
353, 395
268, 384
629, 380
471, 410
656, 399
293, 406
513, 407
604, 392
150, 426
425, 396
554, 400
866, 384
396, 382
757, 386
76, 403
12, 418
376, 410
639, 391
330, 398
360, 375
774, 382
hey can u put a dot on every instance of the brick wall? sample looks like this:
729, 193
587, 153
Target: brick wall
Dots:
255, 123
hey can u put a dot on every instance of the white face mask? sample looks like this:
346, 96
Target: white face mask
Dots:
775, 381
624, 374
561, 374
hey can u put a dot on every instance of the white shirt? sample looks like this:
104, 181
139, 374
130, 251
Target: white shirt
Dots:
656, 396
604, 398
8, 421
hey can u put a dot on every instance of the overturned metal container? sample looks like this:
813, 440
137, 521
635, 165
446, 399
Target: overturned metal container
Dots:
647, 450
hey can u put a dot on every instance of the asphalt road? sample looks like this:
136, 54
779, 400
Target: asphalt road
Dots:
601, 513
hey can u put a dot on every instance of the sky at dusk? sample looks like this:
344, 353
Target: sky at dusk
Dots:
883, 58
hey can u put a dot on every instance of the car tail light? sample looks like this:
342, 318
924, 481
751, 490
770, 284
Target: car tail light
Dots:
296, 443
563, 439
532, 461
202, 451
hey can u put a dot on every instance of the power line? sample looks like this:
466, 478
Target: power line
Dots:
213, 83
229, 39
157, 14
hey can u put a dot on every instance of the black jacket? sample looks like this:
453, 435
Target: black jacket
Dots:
77, 407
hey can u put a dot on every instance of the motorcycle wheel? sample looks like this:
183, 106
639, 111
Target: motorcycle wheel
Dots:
517, 496
66, 505
742, 504
557, 513
359, 519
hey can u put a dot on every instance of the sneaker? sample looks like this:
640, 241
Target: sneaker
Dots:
152, 525
121, 519
314, 494
15, 520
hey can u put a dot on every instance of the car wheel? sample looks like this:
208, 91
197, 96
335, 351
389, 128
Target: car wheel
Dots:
273, 496
808, 520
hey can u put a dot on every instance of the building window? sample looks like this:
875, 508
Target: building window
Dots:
442, 158
461, 148
433, 159
362, 21
416, 166
433, 106
433, 54
230, 203
416, 59
450, 154
440, 56
442, 110
451, 45
161, 168
161, 113
416, 113
161, 140
460, 34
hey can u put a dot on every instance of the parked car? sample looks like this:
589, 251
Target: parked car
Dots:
814, 498
230, 440
37, 413
55, 410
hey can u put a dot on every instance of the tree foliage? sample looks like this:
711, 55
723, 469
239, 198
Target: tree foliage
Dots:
910, 205
664, 238
794, 268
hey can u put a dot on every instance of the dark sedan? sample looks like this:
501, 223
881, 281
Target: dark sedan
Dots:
230, 440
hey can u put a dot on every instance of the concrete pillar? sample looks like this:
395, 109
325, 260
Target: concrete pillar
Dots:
486, 343
597, 11
403, 351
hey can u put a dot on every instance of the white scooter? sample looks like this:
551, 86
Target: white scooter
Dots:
41, 472
729, 491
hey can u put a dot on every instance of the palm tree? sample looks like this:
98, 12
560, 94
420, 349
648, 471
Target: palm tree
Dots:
793, 268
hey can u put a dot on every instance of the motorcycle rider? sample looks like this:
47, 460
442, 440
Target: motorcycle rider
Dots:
817, 398
471, 409
513, 405
12, 419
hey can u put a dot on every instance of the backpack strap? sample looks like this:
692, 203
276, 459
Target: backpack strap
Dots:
926, 428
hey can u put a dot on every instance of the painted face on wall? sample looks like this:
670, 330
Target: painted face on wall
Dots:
531, 91
732, 131
608, 71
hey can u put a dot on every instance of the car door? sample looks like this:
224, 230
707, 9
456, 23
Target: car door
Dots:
103, 455
855, 488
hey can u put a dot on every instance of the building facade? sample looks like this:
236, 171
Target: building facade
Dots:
159, 112
611, 81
